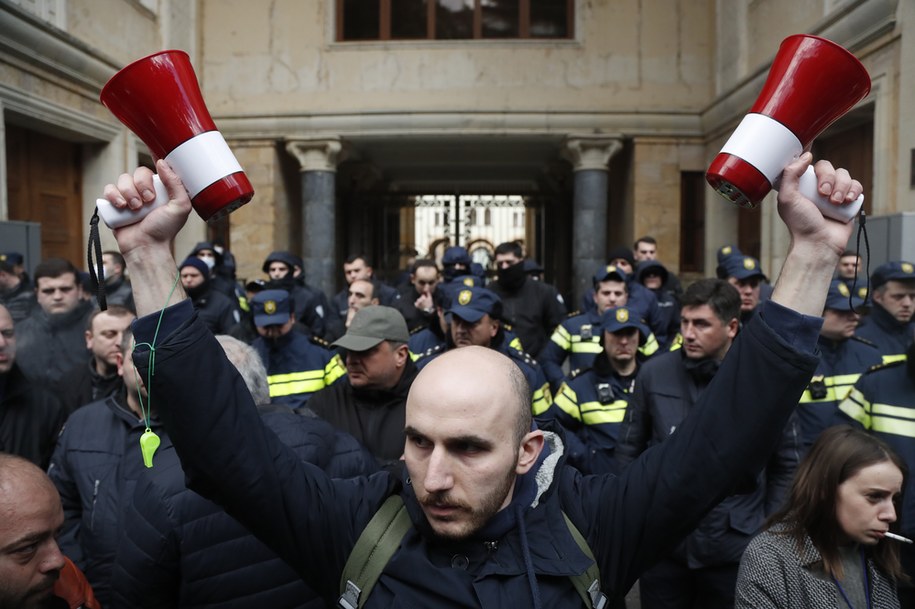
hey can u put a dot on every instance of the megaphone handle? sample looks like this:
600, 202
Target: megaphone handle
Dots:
845, 212
116, 218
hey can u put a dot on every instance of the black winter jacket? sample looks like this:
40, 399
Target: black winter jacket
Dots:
95, 467
374, 417
30, 418
666, 395
179, 550
629, 521
50, 345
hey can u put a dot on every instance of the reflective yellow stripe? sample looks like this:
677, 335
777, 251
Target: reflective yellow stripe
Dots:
896, 357
243, 304
893, 424
837, 388
585, 346
516, 345
650, 346
857, 407
541, 400
334, 370
561, 337
414, 356
595, 413
292, 383
567, 400
677, 342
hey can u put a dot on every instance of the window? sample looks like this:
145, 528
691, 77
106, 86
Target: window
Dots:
692, 221
359, 20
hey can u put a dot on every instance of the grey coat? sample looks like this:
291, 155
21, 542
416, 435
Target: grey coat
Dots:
773, 574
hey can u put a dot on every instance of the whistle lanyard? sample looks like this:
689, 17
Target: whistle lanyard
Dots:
867, 586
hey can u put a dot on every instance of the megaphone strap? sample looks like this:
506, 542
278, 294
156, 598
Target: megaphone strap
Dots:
867, 265
95, 243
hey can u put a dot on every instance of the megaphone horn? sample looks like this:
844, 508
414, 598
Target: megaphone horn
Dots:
159, 100
812, 82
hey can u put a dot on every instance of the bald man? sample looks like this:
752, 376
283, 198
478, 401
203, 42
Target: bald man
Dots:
485, 492
34, 574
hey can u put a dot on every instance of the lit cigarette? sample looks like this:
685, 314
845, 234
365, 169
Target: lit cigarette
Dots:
897, 537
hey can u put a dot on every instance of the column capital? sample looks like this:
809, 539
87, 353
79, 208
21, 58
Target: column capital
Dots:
318, 154
591, 151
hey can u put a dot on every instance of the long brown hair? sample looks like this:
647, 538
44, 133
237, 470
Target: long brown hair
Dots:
838, 454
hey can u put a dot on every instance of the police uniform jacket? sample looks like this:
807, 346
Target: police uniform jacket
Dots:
47, 346
576, 338
591, 406
30, 417
524, 554
667, 390
180, 551
841, 364
890, 335
883, 402
640, 299
775, 574
425, 341
297, 367
95, 467
375, 417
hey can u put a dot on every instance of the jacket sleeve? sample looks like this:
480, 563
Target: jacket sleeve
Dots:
147, 571
62, 477
230, 457
633, 520
760, 579
553, 354
782, 465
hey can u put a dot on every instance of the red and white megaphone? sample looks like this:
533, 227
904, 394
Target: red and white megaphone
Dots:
812, 82
158, 98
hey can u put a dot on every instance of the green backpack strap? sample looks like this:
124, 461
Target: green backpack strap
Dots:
387, 528
374, 548
588, 583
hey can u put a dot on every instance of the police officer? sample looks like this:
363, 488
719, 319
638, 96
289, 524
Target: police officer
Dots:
311, 305
889, 324
476, 319
592, 403
578, 336
847, 272
843, 358
297, 365
745, 274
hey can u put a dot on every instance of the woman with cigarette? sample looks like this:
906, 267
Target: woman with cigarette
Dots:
831, 545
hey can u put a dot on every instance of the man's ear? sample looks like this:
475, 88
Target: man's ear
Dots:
529, 451
401, 355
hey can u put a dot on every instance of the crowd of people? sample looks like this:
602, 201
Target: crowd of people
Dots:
531, 452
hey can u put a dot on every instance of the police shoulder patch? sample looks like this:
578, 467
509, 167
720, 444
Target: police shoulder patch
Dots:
577, 372
320, 342
885, 366
861, 339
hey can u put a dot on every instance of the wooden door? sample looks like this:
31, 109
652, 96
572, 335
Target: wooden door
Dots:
44, 186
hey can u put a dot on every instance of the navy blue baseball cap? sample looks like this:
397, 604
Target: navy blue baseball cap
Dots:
726, 251
610, 272
471, 304
743, 267
14, 258
271, 307
456, 255
838, 296
615, 319
897, 270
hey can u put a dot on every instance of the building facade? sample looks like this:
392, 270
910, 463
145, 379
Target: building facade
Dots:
601, 115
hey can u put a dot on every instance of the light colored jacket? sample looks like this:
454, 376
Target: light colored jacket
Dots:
773, 574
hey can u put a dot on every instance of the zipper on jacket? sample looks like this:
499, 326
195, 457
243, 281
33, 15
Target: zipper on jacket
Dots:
94, 499
491, 546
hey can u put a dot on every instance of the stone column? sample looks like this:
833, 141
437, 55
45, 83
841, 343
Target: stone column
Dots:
318, 160
589, 155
